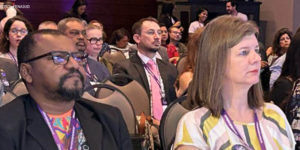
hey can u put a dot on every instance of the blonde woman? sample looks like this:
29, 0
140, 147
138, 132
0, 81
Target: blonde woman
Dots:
226, 83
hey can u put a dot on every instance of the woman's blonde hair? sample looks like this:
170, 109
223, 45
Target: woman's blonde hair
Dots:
218, 37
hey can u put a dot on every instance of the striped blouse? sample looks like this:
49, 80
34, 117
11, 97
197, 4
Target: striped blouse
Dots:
200, 129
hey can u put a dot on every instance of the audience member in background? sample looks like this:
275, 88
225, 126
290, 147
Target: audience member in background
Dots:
119, 41
105, 46
282, 87
184, 79
78, 10
96, 23
175, 48
281, 43
74, 29
48, 25
10, 12
201, 18
93, 40
166, 17
231, 8
14, 31
164, 35
155, 75
226, 84
53, 115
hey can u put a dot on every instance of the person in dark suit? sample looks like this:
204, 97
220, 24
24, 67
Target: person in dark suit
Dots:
74, 29
147, 36
53, 115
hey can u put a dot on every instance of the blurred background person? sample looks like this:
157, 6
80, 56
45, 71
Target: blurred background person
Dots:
282, 87
94, 40
164, 35
78, 10
175, 48
47, 25
201, 18
226, 85
14, 31
276, 57
119, 41
184, 78
105, 45
167, 16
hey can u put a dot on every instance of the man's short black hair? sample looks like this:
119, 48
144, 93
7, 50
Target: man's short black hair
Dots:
25, 49
233, 3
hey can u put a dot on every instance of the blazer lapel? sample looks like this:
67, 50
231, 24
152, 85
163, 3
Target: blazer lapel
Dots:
164, 76
92, 129
37, 127
95, 130
136, 60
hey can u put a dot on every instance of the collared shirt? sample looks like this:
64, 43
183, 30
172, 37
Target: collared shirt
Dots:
145, 60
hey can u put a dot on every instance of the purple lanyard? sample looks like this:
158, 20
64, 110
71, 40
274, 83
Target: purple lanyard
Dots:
233, 128
91, 76
164, 102
13, 58
59, 144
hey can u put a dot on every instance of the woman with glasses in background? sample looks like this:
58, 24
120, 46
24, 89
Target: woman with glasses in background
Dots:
14, 31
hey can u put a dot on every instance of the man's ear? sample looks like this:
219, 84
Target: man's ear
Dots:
137, 38
26, 72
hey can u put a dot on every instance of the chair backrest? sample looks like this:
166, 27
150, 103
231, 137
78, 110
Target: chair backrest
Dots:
169, 121
180, 64
135, 92
17, 89
119, 100
10, 69
114, 56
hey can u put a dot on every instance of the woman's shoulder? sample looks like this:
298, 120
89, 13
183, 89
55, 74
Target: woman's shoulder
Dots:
273, 111
198, 115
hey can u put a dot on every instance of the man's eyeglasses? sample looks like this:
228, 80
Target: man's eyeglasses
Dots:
94, 40
21, 31
175, 32
62, 57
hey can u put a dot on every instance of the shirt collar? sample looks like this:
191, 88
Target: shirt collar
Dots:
145, 58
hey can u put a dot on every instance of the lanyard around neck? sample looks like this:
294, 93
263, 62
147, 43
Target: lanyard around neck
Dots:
232, 127
13, 58
59, 144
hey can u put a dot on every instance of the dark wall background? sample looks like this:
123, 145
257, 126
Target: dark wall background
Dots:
113, 14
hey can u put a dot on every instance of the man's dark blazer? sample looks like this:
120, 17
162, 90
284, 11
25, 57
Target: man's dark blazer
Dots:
22, 126
134, 68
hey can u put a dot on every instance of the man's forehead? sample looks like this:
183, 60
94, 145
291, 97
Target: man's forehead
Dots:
150, 25
53, 42
74, 25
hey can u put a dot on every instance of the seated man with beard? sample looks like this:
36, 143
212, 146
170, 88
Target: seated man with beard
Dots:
53, 115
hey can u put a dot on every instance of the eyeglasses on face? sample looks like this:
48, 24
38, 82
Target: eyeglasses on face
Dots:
16, 31
62, 57
94, 40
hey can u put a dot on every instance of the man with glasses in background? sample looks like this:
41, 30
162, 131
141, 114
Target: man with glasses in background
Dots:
175, 48
53, 115
95, 71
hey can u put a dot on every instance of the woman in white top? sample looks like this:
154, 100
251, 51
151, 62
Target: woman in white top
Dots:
202, 16
14, 31
226, 84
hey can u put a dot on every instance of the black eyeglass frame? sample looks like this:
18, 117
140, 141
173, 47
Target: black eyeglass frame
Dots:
52, 54
97, 40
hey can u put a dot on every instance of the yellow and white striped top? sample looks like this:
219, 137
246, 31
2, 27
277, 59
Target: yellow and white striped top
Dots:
200, 129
